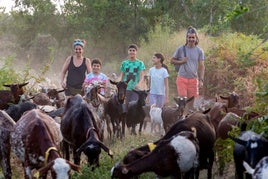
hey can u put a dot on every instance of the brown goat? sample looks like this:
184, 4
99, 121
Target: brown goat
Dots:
171, 114
12, 95
38, 137
7, 124
226, 115
219, 111
232, 100
232, 119
50, 98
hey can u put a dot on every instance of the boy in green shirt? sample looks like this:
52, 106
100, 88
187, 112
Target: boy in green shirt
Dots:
133, 69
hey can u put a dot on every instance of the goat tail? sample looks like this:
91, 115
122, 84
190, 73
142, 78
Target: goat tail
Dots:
153, 105
248, 168
194, 131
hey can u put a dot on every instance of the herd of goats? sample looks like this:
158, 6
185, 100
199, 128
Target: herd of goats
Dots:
38, 129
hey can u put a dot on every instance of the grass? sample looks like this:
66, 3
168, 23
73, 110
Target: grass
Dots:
119, 148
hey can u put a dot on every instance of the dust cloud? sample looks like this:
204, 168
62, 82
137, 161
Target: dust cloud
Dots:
46, 51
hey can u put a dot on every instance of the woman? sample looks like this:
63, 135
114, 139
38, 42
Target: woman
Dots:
77, 67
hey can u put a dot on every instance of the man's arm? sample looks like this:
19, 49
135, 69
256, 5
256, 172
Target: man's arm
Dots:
201, 68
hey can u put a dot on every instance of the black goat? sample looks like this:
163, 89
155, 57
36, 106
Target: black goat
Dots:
17, 110
80, 130
7, 125
113, 109
249, 147
135, 113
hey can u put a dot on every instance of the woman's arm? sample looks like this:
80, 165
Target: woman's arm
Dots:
63, 72
88, 64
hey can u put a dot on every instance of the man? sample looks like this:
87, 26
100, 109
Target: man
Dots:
191, 58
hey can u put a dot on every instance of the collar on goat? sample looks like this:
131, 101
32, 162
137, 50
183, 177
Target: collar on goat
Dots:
151, 146
47, 153
89, 129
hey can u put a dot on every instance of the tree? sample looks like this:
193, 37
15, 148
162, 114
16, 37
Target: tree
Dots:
109, 24
34, 17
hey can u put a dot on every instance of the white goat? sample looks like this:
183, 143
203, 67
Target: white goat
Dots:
260, 171
156, 119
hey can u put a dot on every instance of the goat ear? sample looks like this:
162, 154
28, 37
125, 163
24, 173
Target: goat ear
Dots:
59, 91
206, 111
190, 99
223, 97
81, 148
74, 167
136, 91
128, 81
248, 167
239, 141
112, 82
44, 169
176, 99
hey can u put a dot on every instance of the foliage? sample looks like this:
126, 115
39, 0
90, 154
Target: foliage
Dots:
261, 95
109, 24
7, 73
33, 18
250, 11
224, 152
234, 64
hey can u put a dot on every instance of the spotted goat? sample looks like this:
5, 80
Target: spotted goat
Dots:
35, 141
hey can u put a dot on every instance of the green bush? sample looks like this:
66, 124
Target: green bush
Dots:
7, 74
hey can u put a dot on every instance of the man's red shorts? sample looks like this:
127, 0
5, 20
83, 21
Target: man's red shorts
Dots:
187, 87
